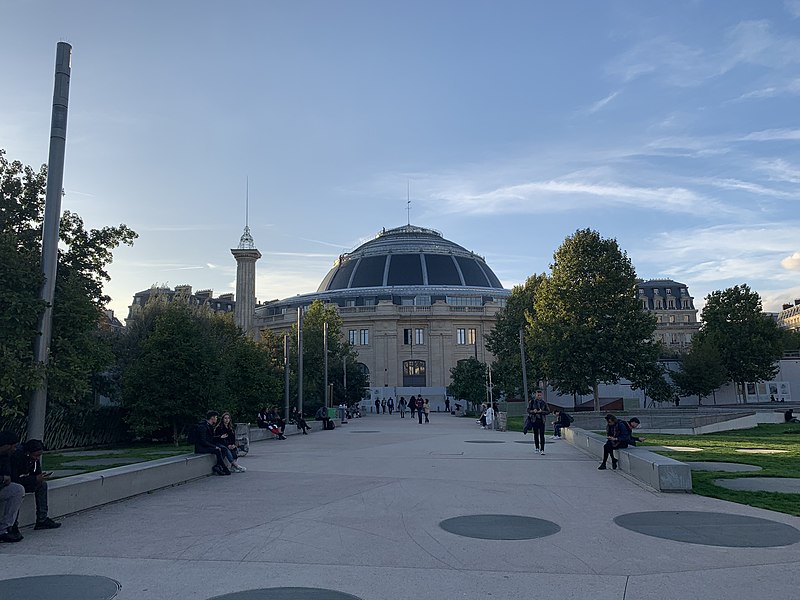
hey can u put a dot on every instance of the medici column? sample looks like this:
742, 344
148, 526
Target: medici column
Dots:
246, 256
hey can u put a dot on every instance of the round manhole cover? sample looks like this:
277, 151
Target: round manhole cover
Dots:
484, 442
500, 527
710, 528
60, 587
288, 593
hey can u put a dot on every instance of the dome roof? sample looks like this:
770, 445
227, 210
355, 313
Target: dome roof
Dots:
409, 256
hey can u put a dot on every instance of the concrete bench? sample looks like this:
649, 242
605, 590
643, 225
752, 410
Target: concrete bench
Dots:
73, 494
659, 472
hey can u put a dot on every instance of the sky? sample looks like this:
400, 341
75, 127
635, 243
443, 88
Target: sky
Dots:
672, 127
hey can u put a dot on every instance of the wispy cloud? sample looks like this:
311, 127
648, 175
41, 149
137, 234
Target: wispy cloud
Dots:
602, 102
792, 88
772, 135
780, 170
793, 7
678, 64
747, 186
566, 195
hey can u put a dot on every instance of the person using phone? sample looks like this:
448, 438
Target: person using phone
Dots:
26, 470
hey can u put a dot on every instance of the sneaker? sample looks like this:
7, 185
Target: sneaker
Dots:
602, 467
239, 469
542, 452
10, 537
217, 470
47, 523
554, 437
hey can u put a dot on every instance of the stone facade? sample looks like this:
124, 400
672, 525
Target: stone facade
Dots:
673, 307
789, 317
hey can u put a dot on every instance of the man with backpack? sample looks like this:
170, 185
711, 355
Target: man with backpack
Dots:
202, 436
562, 419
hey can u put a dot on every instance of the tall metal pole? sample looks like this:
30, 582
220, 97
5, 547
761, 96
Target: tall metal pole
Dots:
286, 375
37, 406
300, 359
344, 377
325, 359
524, 367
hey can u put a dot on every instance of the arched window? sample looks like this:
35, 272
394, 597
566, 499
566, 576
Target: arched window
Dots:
414, 373
364, 371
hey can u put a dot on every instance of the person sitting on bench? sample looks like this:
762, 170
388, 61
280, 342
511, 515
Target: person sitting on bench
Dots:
297, 417
203, 438
619, 436
26, 470
562, 419
634, 424
322, 415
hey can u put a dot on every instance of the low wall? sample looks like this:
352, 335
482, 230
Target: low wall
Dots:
79, 492
659, 472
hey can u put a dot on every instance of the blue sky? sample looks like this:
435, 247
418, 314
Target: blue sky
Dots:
672, 127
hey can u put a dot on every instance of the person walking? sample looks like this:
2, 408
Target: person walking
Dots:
377, 406
390, 405
427, 410
383, 405
402, 407
419, 404
447, 404
537, 410
489, 417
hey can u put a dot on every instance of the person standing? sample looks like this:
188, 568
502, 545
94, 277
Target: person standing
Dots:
537, 410
383, 405
419, 404
412, 405
402, 407
390, 405
489, 417
377, 406
427, 409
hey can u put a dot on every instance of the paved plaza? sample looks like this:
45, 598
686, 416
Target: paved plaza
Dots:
385, 508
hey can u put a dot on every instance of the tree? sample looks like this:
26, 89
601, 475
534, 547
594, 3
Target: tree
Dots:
651, 378
468, 380
749, 342
503, 341
587, 323
702, 371
77, 352
339, 355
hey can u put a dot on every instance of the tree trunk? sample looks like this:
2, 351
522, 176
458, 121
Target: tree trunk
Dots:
175, 430
596, 398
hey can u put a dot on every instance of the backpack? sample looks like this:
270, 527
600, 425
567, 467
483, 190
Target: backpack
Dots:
569, 418
329, 424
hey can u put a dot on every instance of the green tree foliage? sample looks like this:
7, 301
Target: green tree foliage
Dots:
210, 364
468, 381
77, 351
587, 324
748, 341
702, 371
650, 376
339, 355
503, 342
790, 340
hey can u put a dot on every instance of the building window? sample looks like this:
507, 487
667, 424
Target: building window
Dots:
422, 300
670, 303
659, 304
419, 339
369, 301
461, 336
465, 300
669, 292
406, 301
644, 303
472, 336
407, 337
685, 318
349, 302
414, 373
365, 337
364, 371
672, 318
351, 337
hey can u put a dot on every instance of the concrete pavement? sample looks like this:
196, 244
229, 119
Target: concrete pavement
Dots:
359, 512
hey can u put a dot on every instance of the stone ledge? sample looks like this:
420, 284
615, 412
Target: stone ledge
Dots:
73, 494
659, 472
79, 492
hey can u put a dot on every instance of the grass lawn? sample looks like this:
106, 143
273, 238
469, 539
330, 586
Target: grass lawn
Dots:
53, 461
721, 447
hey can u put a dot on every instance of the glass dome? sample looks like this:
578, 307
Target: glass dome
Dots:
409, 256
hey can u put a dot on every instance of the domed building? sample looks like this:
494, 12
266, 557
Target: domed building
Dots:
412, 304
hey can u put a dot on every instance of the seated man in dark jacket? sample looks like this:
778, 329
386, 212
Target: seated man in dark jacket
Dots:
26, 470
204, 442
562, 419
11, 493
619, 436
